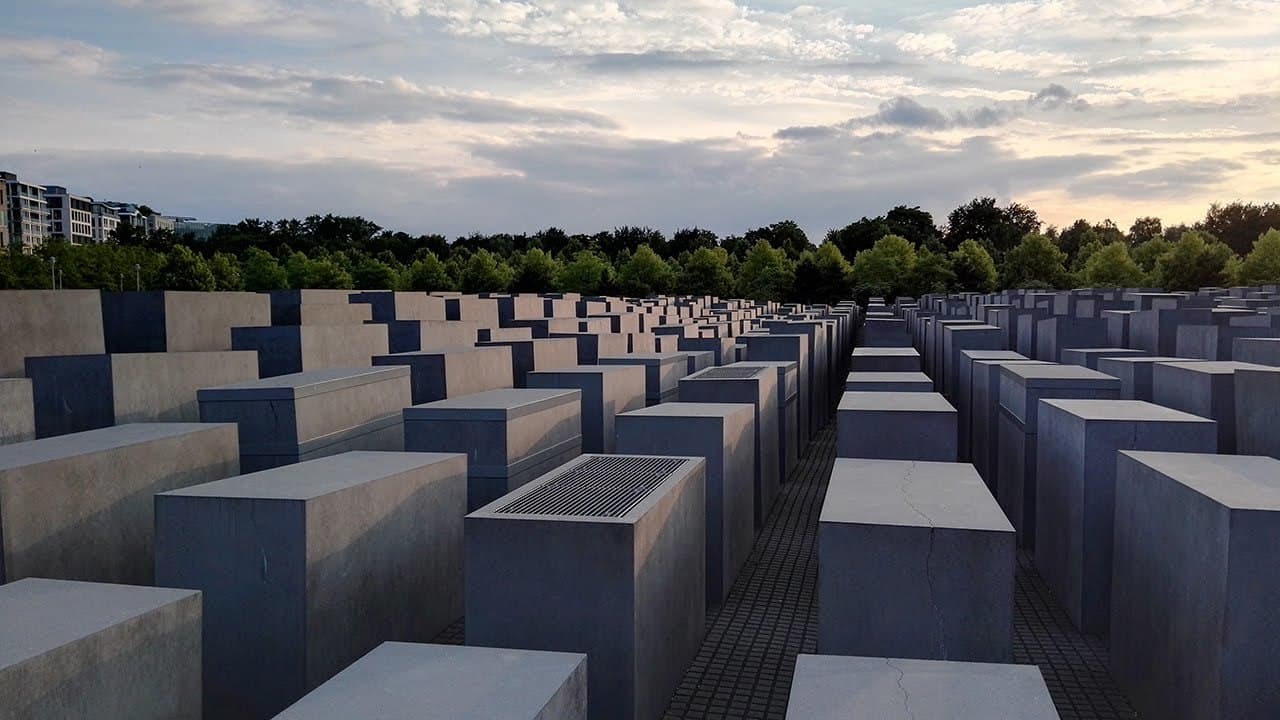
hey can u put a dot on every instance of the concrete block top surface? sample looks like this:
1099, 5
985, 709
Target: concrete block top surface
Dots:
38, 615
1238, 482
895, 401
1109, 350
693, 409
1123, 411
89, 442
1213, 367
993, 355
912, 494
968, 327
410, 681
832, 687
303, 384
887, 377
1149, 359
1054, 375
504, 404
885, 352
645, 358
316, 478
588, 370
734, 371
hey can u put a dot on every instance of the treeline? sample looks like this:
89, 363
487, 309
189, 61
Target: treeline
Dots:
982, 247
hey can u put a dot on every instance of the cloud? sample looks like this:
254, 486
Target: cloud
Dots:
927, 45
904, 112
286, 19
1056, 96
807, 132
57, 54
346, 99
1184, 179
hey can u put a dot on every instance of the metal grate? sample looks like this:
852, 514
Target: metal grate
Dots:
730, 373
601, 486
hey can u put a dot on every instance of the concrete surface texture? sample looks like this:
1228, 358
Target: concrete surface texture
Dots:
510, 437
1134, 373
625, 583
955, 340
1054, 334
795, 348
788, 412
48, 322
538, 354
388, 306
963, 395
454, 372
17, 411
896, 426
1075, 490
841, 688
1260, 351
79, 507
888, 382
1089, 357
607, 391
285, 350
156, 321
1194, 584
723, 434
662, 372
1257, 411
1206, 389
73, 393
116, 652
307, 567
413, 681
915, 560
314, 414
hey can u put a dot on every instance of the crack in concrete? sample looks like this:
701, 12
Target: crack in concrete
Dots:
939, 619
906, 697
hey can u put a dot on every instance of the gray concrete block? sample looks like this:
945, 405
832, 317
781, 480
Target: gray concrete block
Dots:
17, 411
699, 360
1194, 585
317, 307
757, 386
73, 393
48, 322
915, 560
721, 348
471, 308
662, 373
1206, 389
389, 306
286, 350
819, 371
1215, 342
1028, 321
723, 434
305, 568
1155, 331
1134, 373
794, 348
956, 339
1055, 334
427, 335
963, 399
169, 321
1260, 351
592, 345
607, 391
1089, 357
1258, 411
1021, 388
827, 687
439, 374
898, 359
566, 564
935, 360
888, 382
788, 413
896, 426
1075, 490
1117, 327
413, 681
885, 332
540, 354
510, 437
78, 507
90, 650
305, 416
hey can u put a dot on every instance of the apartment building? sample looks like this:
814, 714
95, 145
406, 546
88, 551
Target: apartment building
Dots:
70, 216
28, 211
105, 221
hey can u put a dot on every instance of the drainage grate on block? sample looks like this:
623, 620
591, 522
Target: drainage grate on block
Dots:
730, 373
601, 486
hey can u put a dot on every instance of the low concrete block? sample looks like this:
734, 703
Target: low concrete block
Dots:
510, 437
389, 306
90, 650
829, 687
885, 332
896, 426
607, 391
757, 386
48, 322
1134, 373
888, 382
1206, 389
17, 411
1089, 357
723, 434
286, 350
1055, 334
78, 507
956, 339
1260, 351
540, 354
307, 567
592, 345
1194, 584
915, 560
169, 321
1215, 342
74, 393
721, 348
662, 373
564, 562
317, 307
699, 360
413, 681
1075, 493
310, 415
439, 374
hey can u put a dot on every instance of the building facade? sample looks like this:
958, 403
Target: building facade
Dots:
105, 221
70, 216
28, 212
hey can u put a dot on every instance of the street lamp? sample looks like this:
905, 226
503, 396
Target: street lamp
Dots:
137, 276
53, 273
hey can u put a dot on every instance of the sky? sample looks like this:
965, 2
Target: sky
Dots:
459, 116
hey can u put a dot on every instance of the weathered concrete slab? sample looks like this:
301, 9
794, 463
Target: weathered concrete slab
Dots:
17, 411
896, 426
1257, 411
607, 391
285, 350
1206, 389
169, 321
439, 374
1260, 351
888, 382
48, 322
539, 354
662, 373
898, 359
963, 400
1089, 357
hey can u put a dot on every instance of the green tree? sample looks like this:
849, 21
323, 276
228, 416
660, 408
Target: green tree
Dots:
1144, 229
226, 272
185, 270
427, 274
1262, 265
1075, 236
932, 273
766, 273
787, 236
823, 276
687, 240
261, 271
1239, 224
999, 229
329, 273
1111, 266
1197, 260
974, 269
1035, 263
645, 274
373, 274
884, 270
859, 235
1085, 252
536, 272
485, 272
706, 272
1148, 253
587, 274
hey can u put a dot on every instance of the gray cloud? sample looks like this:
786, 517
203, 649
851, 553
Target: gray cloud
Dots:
808, 132
1056, 96
906, 113
651, 61
1183, 179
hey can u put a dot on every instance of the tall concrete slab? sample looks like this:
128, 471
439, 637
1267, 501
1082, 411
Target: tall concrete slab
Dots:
48, 322
1206, 389
174, 321
896, 426
17, 411
454, 372
289, 349
607, 391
